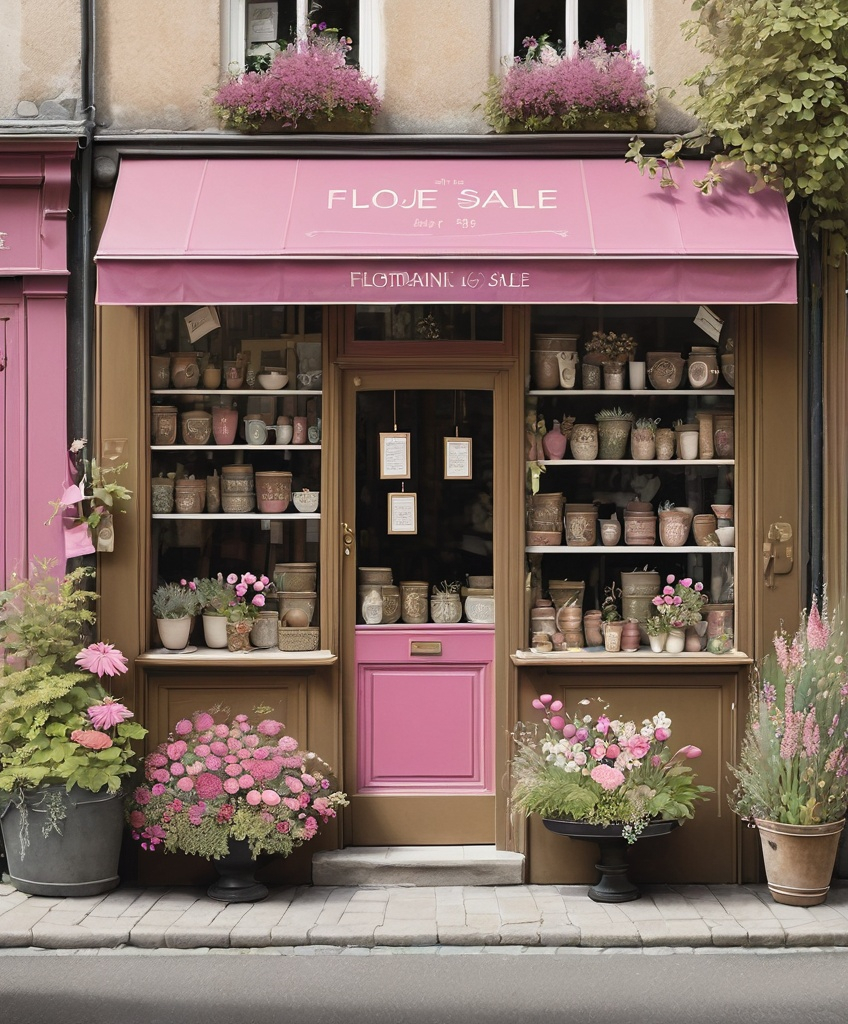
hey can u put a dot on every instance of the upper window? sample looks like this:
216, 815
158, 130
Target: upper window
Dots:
255, 29
572, 23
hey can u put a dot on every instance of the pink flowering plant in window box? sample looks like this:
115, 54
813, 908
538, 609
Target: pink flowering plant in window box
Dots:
308, 84
214, 781
595, 89
601, 770
793, 766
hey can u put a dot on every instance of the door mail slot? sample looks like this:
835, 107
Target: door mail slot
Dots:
425, 647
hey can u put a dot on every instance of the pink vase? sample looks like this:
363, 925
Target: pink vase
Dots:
299, 434
554, 442
224, 425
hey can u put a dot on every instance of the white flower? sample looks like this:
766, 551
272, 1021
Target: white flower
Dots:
580, 759
647, 731
661, 720
587, 719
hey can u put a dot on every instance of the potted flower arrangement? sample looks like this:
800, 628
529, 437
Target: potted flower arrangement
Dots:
678, 606
603, 778
65, 743
612, 347
232, 792
307, 86
216, 596
595, 89
792, 776
243, 610
174, 605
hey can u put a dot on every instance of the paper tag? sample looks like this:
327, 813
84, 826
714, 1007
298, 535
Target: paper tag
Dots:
709, 323
201, 322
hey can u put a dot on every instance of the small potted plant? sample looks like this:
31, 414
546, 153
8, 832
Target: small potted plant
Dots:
680, 604
174, 606
308, 86
594, 89
792, 776
65, 742
614, 425
232, 792
243, 611
643, 438
216, 596
598, 777
446, 602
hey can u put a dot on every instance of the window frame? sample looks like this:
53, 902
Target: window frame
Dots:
637, 28
370, 36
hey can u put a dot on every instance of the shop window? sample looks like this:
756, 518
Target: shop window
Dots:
255, 29
429, 323
569, 23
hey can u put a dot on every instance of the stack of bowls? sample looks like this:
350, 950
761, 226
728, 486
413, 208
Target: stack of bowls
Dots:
238, 489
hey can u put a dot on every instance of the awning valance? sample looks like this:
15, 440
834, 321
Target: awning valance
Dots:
268, 230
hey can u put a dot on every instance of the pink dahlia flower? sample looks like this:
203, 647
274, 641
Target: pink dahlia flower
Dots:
108, 713
270, 797
231, 786
204, 721
287, 743
185, 784
102, 659
142, 796
91, 739
254, 797
295, 785
292, 803
183, 727
268, 727
606, 776
208, 786
137, 819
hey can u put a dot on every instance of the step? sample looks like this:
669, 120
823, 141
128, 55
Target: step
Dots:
418, 865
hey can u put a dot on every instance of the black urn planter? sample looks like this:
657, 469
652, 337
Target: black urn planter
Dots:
236, 882
613, 886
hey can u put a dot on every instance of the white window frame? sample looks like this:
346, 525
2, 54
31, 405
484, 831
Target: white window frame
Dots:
637, 28
369, 37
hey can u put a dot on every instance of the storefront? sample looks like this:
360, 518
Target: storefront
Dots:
402, 299
35, 181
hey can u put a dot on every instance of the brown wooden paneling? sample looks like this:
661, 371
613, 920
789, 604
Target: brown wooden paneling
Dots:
421, 820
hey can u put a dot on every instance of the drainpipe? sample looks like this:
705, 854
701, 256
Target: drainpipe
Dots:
81, 283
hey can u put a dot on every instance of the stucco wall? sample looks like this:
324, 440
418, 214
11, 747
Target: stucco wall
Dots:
674, 58
157, 63
39, 56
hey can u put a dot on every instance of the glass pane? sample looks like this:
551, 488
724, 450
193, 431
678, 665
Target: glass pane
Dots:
536, 18
429, 323
276, 22
604, 18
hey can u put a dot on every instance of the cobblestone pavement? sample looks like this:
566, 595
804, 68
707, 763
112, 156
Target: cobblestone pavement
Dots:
463, 918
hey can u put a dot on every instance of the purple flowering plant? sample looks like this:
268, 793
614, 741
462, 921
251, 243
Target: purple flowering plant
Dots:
213, 781
793, 765
595, 88
308, 81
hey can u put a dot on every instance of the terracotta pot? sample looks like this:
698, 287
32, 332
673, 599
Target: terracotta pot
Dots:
581, 523
630, 638
592, 629
545, 370
702, 526
643, 443
584, 441
638, 589
190, 496
160, 372
185, 371
163, 424
224, 425
723, 435
640, 529
566, 593
665, 370
211, 377
665, 443
610, 532
612, 635
674, 526
799, 860
613, 435
238, 492
196, 426
545, 511
273, 490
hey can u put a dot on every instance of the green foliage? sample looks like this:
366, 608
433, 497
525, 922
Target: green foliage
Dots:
214, 594
43, 618
175, 601
774, 91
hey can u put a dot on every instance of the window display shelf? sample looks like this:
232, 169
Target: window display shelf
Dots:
634, 549
583, 463
235, 447
598, 656
610, 395
256, 392
184, 516
256, 658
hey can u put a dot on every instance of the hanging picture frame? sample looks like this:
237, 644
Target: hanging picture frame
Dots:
403, 512
394, 456
457, 458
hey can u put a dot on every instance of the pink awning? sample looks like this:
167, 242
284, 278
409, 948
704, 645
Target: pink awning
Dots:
233, 231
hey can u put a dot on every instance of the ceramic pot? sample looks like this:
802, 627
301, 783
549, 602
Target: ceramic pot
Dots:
568, 363
174, 633
610, 531
160, 372
282, 433
185, 371
696, 638
643, 443
566, 593
728, 369
614, 375
163, 424
295, 575
237, 489
706, 429
391, 604
584, 441
640, 529
196, 426
799, 860
545, 512
723, 435
543, 617
675, 642
162, 495
299, 432
665, 443
414, 603
630, 638
233, 373
238, 636
719, 619
211, 377
637, 375
236, 882
215, 631
688, 437
592, 629
612, 636
591, 373
702, 368
301, 601
446, 608
665, 370
255, 430
613, 435
224, 425
580, 525
190, 496
554, 442
702, 526
371, 605
264, 631
674, 526
657, 642
638, 589
273, 490
555, 342
545, 369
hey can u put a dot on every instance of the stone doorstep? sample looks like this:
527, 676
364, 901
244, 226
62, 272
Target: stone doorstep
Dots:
411, 865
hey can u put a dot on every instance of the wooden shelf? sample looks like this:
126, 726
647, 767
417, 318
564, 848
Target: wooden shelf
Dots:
209, 658
233, 391
184, 516
660, 392
597, 656
234, 447
634, 549
634, 462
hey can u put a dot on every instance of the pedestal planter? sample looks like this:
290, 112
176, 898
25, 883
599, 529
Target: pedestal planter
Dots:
79, 860
613, 886
236, 882
799, 860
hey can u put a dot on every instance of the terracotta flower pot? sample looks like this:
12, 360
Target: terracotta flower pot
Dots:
799, 860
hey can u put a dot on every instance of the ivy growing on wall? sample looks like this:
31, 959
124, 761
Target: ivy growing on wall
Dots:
774, 92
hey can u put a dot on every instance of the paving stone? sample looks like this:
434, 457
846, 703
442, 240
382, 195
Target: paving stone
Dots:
519, 935
290, 933
762, 934
817, 934
190, 937
248, 936
609, 935
70, 937
410, 933
343, 935
674, 933
463, 935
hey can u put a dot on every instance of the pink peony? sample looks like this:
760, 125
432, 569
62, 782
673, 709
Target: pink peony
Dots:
287, 743
203, 721
158, 789
156, 760
109, 713
603, 725
183, 727
177, 768
222, 731
254, 797
261, 753
606, 776
308, 780
91, 739
662, 734
613, 750
246, 781
218, 748
233, 770
268, 727
251, 741
103, 660
195, 768
294, 784
161, 775
208, 786
638, 746
292, 803
213, 763
185, 784
202, 750
176, 749
231, 786
270, 798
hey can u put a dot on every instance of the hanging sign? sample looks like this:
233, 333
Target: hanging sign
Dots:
403, 512
709, 323
457, 458
394, 456
201, 322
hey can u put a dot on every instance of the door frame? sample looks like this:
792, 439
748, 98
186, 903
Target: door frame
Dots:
501, 377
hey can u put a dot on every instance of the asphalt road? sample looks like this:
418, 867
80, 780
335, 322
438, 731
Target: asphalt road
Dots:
589, 987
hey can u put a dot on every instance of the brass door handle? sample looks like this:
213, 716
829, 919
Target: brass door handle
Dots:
347, 538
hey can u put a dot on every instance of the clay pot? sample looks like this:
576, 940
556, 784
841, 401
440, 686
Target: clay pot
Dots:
613, 435
190, 496
238, 492
591, 373
723, 435
580, 525
413, 601
299, 432
630, 637
706, 429
702, 526
545, 512
543, 617
264, 631
196, 426
545, 369
665, 370
614, 375
554, 442
612, 635
233, 373
273, 490
665, 443
640, 528
555, 342
674, 526
799, 860
592, 629
584, 441
702, 368
566, 593
163, 424
160, 372
446, 608
162, 495
638, 589
185, 371
610, 531
211, 377
643, 443
568, 363
224, 425
638, 375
